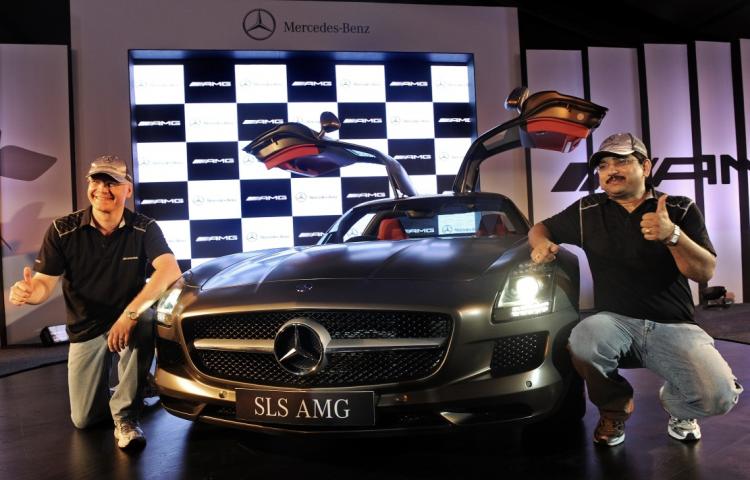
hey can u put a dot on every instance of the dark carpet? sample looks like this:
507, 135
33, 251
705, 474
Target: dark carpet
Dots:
38, 442
732, 323
16, 359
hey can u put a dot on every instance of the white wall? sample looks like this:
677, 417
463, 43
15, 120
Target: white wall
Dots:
35, 186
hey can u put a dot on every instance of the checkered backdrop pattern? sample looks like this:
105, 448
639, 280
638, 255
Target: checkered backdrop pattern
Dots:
192, 117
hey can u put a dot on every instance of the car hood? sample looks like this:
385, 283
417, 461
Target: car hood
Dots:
435, 259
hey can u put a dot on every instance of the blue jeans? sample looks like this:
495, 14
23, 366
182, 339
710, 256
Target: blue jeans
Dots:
89, 364
698, 381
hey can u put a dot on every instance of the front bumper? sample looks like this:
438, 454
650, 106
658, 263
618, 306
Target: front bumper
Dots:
463, 392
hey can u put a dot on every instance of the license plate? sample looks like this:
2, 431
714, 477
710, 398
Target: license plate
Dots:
290, 407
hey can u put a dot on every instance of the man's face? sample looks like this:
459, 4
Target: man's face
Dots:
623, 177
106, 195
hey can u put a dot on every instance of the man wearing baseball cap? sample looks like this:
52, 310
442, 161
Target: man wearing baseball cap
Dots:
103, 253
642, 246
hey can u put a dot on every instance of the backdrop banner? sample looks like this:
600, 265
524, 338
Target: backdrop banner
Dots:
35, 164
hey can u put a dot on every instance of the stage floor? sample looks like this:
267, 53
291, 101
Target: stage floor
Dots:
37, 441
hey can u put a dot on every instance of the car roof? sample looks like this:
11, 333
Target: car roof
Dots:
436, 198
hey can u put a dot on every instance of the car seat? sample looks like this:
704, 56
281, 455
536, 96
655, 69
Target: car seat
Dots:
391, 229
491, 224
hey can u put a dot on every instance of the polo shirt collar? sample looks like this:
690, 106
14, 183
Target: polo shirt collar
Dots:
88, 218
653, 198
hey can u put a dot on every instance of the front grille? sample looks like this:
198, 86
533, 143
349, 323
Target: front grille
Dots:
347, 324
342, 369
519, 353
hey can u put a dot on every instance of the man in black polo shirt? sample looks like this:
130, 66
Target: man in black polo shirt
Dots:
642, 246
102, 254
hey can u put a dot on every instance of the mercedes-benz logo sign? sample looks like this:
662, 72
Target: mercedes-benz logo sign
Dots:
300, 346
259, 24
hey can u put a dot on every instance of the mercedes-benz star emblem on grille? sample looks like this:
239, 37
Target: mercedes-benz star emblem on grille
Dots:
259, 24
300, 346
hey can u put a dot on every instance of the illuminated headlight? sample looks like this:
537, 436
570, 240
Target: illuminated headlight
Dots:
167, 303
529, 290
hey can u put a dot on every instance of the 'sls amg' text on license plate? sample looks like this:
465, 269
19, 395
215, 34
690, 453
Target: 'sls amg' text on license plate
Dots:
304, 408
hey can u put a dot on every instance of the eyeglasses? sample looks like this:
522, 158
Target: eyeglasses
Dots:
616, 161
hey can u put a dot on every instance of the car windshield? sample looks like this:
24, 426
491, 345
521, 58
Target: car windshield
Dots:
429, 217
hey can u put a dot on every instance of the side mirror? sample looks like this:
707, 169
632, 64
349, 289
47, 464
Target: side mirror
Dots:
328, 123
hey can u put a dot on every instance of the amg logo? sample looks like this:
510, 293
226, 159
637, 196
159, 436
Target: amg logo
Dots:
413, 157
216, 238
310, 235
210, 84
324, 83
713, 168
454, 120
409, 84
263, 121
212, 161
265, 198
159, 123
363, 120
162, 201
420, 230
366, 195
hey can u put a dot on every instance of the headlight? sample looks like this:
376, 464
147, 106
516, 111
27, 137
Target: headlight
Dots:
529, 290
168, 301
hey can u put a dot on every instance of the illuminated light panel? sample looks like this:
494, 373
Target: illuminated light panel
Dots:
533, 309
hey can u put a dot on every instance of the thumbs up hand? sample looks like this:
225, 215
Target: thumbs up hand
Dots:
21, 290
656, 225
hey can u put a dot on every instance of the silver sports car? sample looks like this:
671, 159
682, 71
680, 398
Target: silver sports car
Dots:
410, 313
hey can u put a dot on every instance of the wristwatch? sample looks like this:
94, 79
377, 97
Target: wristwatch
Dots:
674, 237
132, 315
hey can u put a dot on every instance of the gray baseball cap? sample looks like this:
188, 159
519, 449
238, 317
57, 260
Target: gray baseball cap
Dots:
112, 166
619, 144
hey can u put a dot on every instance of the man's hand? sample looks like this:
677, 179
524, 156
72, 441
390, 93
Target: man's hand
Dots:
22, 289
545, 252
119, 335
656, 225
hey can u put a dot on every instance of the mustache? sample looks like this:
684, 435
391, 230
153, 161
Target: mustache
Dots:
613, 177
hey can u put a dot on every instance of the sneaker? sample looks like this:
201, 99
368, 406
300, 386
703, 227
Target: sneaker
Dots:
684, 429
609, 432
129, 434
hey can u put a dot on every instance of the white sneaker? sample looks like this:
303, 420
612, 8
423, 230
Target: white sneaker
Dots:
609, 432
129, 434
684, 429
